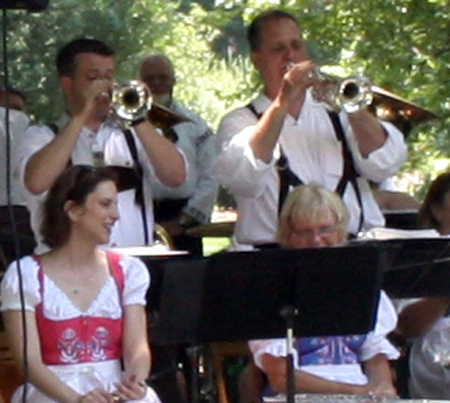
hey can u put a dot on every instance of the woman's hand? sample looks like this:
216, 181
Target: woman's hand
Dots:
381, 389
98, 395
130, 389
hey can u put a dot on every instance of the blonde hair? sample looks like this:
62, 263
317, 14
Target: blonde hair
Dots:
311, 202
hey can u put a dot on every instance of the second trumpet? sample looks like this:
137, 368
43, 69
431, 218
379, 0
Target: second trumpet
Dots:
131, 101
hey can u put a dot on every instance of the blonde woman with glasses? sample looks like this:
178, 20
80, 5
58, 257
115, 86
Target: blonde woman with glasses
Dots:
313, 216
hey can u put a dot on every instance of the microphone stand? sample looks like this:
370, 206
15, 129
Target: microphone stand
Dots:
289, 313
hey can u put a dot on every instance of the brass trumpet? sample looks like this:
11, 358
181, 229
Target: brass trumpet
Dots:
350, 94
133, 100
355, 93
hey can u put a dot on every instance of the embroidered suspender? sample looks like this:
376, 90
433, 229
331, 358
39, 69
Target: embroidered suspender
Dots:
116, 272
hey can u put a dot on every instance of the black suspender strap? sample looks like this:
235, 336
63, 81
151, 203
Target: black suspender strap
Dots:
140, 199
254, 111
349, 173
137, 166
286, 177
53, 127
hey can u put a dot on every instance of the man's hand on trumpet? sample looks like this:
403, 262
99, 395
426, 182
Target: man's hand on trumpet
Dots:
297, 79
96, 99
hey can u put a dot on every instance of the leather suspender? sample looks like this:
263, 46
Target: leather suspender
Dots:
140, 200
349, 174
287, 179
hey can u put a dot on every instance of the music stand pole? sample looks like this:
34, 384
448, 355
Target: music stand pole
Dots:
289, 313
241, 295
193, 353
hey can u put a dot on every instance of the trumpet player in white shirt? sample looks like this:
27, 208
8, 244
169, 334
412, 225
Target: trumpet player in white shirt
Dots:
86, 135
286, 118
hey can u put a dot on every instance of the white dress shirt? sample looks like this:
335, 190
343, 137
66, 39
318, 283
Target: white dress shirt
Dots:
314, 155
196, 141
18, 123
110, 141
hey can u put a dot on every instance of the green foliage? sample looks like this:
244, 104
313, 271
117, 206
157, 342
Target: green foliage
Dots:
402, 45
34, 39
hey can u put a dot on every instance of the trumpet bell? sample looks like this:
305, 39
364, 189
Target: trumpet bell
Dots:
131, 100
350, 94
354, 94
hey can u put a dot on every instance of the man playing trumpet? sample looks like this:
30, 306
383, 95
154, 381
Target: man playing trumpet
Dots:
87, 135
286, 127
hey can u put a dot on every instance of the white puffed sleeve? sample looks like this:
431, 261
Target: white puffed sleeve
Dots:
137, 281
10, 285
376, 341
274, 347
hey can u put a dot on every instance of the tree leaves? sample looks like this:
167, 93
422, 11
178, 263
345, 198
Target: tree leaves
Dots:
402, 45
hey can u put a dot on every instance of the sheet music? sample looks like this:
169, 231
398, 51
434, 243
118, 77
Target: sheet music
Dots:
382, 233
152, 250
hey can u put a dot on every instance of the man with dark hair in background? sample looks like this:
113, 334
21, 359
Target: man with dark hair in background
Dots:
15, 100
86, 134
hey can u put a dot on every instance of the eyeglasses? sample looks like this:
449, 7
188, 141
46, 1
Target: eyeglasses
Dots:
323, 232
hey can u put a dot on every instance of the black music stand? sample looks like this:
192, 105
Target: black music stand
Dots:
416, 267
240, 296
401, 219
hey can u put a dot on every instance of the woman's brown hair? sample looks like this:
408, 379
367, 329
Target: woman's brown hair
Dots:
74, 184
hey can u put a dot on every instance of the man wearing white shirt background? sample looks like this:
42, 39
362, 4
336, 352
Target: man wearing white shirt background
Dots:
177, 209
286, 118
13, 98
9, 195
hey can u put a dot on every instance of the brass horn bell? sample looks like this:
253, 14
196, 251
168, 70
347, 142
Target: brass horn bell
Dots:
132, 101
351, 94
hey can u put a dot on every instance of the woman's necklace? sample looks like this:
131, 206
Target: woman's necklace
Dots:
84, 280
79, 288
